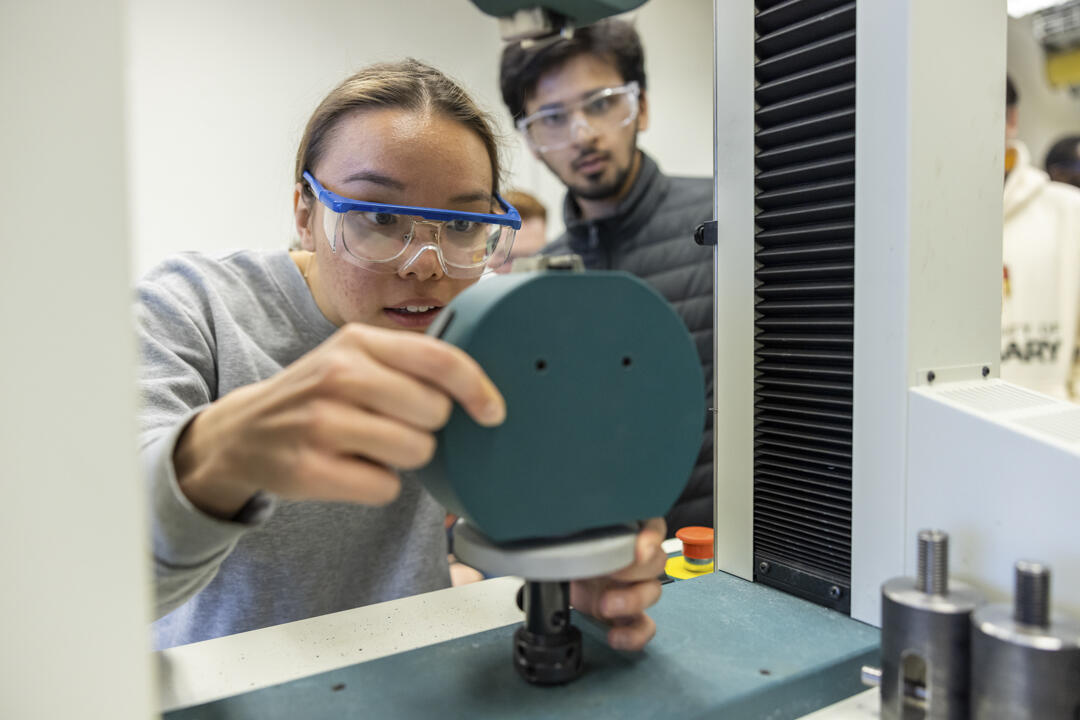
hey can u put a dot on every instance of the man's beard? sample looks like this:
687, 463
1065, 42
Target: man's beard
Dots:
605, 191
610, 189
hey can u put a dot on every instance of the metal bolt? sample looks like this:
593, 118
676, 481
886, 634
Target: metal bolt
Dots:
1032, 594
932, 576
764, 567
835, 592
986, 370
930, 376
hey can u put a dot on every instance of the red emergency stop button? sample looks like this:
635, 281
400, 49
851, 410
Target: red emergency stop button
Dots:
697, 542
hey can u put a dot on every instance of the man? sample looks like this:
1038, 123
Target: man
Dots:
532, 236
1063, 160
580, 103
1041, 271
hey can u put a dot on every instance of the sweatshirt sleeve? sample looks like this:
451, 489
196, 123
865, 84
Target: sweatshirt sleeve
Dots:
177, 378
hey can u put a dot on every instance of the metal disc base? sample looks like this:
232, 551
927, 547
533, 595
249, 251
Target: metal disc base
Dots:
590, 554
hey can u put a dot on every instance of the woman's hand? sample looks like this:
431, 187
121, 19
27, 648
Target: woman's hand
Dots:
621, 599
335, 424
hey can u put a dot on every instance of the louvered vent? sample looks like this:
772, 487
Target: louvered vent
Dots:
805, 251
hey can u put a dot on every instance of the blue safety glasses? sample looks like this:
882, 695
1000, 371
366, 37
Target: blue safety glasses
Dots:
388, 238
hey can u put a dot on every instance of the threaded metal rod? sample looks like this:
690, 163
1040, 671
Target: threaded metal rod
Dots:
1032, 593
933, 572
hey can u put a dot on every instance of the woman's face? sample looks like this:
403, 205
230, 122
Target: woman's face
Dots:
399, 157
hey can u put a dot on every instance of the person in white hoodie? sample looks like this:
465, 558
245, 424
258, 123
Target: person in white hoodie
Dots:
1040, 273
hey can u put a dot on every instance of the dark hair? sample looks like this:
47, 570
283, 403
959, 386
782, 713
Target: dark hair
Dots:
1065, 152
522, 66
1011, 96
409, 85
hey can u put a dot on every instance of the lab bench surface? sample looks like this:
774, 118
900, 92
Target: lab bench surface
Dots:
724, 645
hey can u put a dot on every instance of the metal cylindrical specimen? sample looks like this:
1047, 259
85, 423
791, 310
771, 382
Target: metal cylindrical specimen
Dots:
1026, 660
925, 639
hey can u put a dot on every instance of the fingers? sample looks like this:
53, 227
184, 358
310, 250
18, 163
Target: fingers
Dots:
649, 556
634, 634
440, 364
585, 595
325, 476
623, 597
622, 606
367, 383
608, 600
333, 424
347, 430
654, 528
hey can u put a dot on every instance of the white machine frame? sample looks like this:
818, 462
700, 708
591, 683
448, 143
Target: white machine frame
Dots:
929, 163
928, 166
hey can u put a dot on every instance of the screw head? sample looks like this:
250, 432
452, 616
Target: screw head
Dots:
764, 567
930, 376
835, 592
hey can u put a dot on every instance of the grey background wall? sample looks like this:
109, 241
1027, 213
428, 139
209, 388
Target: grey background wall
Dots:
219, 93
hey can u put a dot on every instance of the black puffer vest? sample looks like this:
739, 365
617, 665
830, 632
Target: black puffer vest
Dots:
651, 235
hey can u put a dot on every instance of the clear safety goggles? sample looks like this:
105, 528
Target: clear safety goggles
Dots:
389, 238
605, 110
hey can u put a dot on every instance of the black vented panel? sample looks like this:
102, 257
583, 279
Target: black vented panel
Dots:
805, 158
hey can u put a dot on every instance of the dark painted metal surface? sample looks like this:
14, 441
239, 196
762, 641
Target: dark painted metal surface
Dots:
725, 648
605, 405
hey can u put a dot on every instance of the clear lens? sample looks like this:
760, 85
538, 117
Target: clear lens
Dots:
604, 111
373, 235
385, 242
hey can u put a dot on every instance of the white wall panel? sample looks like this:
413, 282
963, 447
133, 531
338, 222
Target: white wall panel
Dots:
75, 603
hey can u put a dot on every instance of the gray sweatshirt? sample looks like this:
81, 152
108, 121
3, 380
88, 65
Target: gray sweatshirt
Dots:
208, 326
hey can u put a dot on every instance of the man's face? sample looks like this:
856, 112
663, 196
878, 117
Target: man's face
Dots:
597, 163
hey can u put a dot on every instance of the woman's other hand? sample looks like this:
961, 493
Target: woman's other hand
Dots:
621, 599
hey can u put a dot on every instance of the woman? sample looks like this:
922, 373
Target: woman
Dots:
279, 388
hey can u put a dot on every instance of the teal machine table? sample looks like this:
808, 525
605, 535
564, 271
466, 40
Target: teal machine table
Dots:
724, 648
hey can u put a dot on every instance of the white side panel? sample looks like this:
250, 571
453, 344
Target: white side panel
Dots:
957, 131
734, 401
995, 468
882, 229
73, 559
928, 169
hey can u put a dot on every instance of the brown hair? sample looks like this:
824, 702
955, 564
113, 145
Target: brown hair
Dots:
409, 85
526, 205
